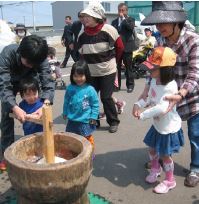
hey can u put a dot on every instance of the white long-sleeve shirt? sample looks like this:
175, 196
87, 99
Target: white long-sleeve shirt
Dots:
163, 122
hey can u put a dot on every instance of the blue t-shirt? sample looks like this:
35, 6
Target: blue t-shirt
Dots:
29, 127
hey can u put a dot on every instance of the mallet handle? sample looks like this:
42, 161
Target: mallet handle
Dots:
48, 136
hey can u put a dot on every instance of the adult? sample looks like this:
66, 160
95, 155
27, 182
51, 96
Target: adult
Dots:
77, 28
18, 62
169, 18
67, 41
101, 46
146, 44
149, 38
20, 31
125, 27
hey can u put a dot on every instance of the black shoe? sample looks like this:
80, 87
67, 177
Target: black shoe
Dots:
129, 90
113, 128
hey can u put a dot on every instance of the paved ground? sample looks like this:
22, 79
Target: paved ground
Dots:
118, 169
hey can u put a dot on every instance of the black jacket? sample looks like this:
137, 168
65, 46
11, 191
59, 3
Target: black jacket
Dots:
126, 30
67, 35
12, 71
76, 28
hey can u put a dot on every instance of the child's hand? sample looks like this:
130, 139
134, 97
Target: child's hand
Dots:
38, 113
32, 116
20, 114
136, 111
92, 122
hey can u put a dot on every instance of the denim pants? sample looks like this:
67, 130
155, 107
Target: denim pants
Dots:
193, 134
7, 127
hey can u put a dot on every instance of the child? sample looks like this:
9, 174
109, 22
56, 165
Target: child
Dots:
54, 63
81, 104
55, 68
29, 91
165, 136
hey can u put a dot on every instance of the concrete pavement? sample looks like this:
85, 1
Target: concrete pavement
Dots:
118, 169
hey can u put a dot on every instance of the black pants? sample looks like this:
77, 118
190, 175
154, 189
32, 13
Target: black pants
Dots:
105, 84
127, 60
67, 56
7, 127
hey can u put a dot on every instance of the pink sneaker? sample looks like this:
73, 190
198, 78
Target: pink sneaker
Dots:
120, 106
153, 175
165, 186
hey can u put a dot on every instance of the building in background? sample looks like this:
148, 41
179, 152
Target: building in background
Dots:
60, 9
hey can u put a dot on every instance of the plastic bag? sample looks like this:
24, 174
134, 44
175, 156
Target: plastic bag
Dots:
6, 35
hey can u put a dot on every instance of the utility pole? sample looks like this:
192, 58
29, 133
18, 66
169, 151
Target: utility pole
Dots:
24, 20
1, 6
33, 16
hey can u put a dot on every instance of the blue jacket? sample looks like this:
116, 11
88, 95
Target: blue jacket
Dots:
81, 103
29, 127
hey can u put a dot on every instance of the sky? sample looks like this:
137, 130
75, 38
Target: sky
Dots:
21, 12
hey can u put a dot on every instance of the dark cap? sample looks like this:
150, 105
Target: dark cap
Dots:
166, 12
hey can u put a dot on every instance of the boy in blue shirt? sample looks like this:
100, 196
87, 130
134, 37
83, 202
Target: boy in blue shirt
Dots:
29, 91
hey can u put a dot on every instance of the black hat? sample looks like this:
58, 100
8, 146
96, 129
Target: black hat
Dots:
20, 26
165, 12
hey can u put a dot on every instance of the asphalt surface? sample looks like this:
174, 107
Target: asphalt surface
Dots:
118, 168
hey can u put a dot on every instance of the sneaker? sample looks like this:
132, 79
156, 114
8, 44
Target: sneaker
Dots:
153, 175
129, 90
3, 165
113, 128
192, 179
164, 186
120, 106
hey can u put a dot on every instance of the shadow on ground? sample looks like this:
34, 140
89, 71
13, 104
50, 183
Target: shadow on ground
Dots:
125, 167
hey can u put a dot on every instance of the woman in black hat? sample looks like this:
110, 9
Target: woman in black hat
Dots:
20, 31
170, 20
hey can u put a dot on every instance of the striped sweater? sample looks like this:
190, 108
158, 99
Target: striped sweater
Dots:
100, 46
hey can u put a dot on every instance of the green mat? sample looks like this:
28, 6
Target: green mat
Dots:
97, 199
94, 199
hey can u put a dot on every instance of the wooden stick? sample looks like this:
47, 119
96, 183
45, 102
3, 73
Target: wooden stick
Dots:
33, 120
48, 137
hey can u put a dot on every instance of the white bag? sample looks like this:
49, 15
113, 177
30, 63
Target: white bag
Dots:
6, 35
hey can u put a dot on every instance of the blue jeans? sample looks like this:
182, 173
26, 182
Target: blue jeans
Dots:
193, 134
7, 128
